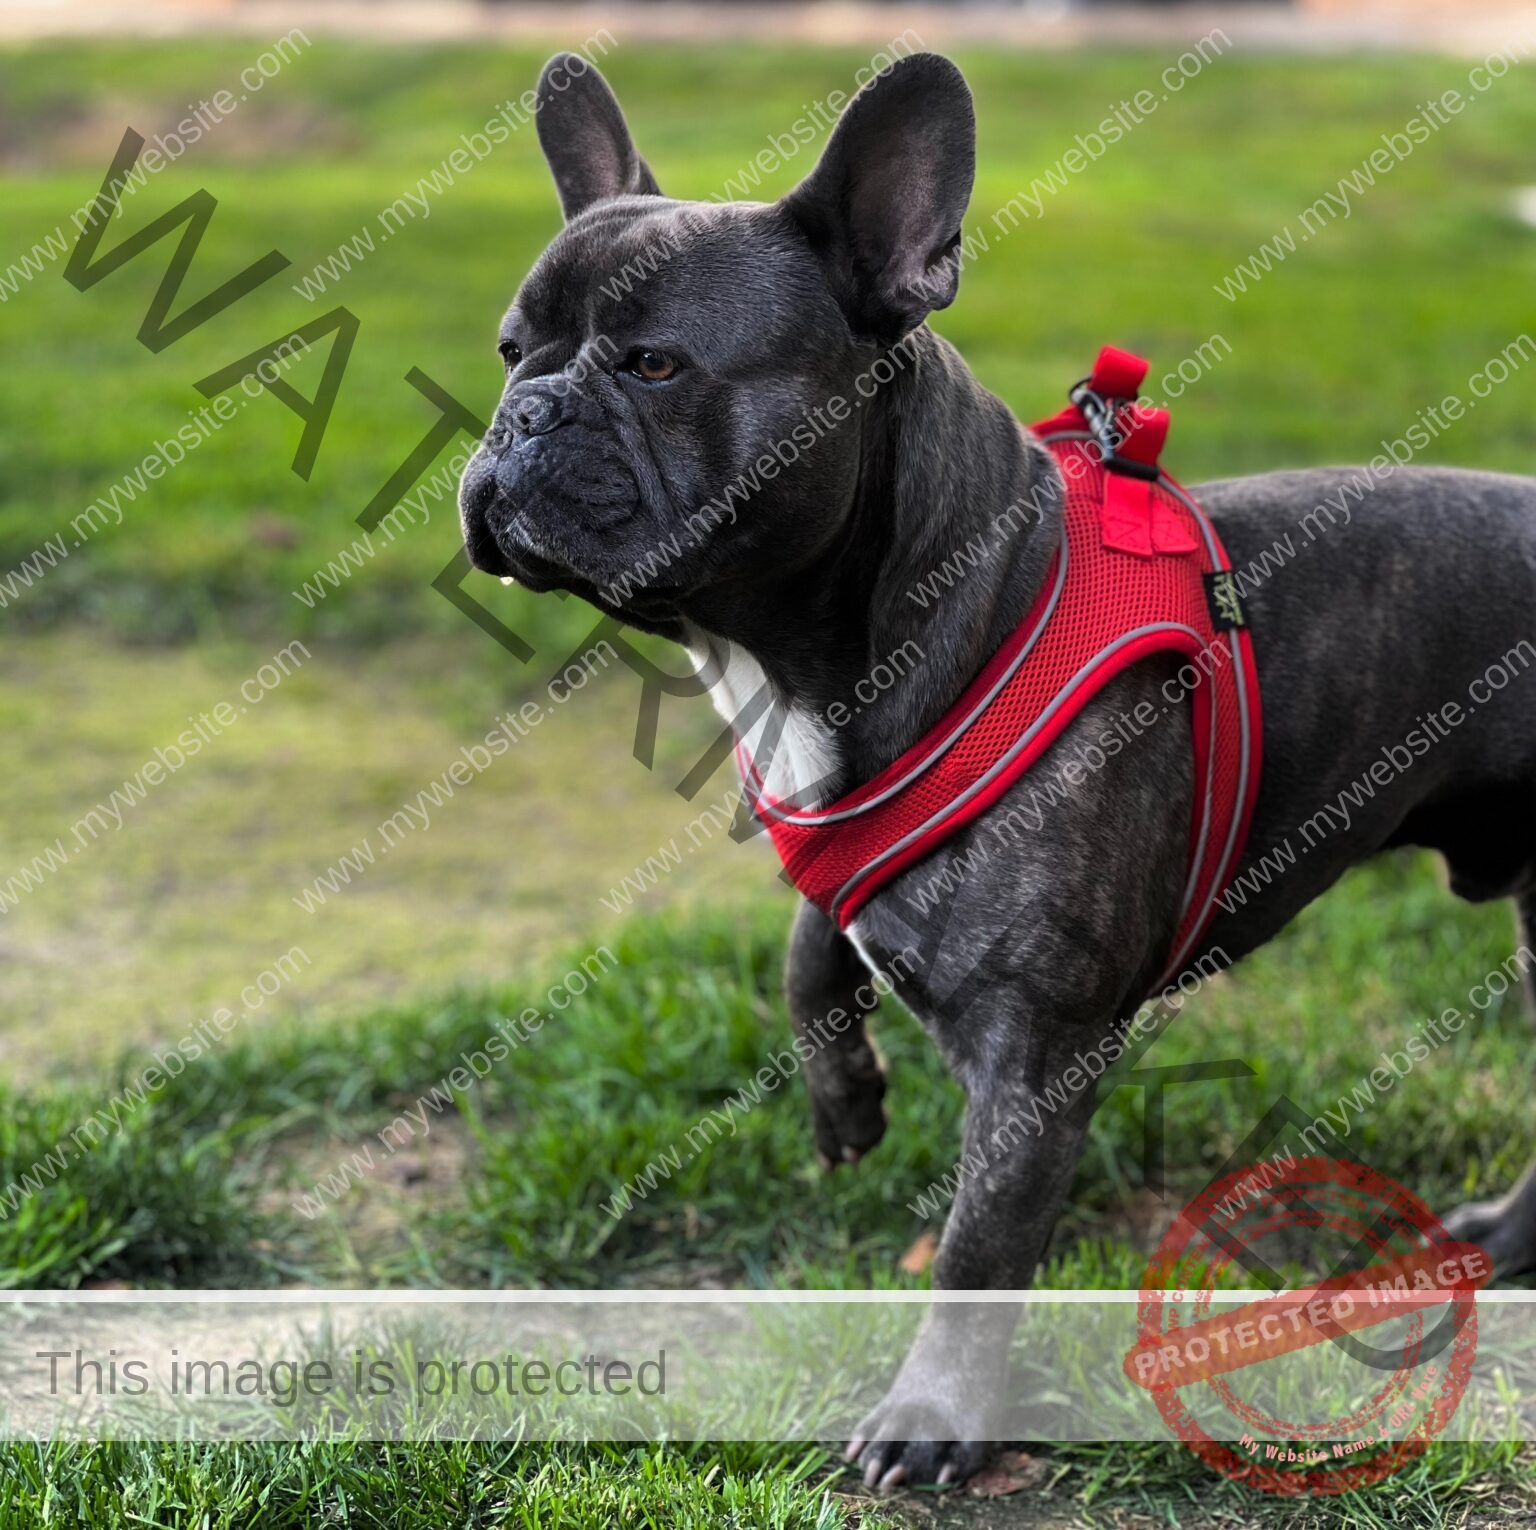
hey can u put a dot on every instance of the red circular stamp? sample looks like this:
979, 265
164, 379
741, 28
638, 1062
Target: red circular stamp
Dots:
1399, 1268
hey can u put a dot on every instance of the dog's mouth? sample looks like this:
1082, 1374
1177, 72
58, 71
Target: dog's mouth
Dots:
573, 523
500, 534
515, 550
522, 549
547, 509
627, 589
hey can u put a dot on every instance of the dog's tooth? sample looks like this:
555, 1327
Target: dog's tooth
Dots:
508, 579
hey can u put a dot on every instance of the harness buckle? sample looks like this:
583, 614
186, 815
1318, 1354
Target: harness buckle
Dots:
1103, 418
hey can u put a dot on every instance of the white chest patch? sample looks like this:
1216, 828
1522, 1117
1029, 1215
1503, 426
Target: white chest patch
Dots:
857, 942
793, 750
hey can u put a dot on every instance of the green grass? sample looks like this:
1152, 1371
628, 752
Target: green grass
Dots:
154, 1202
380, 1487
1382, 314
155, 925
683, 1018
690, 1011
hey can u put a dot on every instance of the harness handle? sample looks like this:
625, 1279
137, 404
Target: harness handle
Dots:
1129, 437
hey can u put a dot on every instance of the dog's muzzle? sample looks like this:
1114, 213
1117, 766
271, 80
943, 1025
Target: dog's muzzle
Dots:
535, 414
549, 488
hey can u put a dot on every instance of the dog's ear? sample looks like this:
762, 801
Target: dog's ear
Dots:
585, 139
884, 203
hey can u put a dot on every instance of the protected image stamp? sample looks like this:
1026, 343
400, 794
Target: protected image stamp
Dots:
1402, 1267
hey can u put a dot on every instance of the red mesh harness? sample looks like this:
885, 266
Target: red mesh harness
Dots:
1140, 571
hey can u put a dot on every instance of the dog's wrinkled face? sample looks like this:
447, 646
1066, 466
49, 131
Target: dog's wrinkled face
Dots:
664, 429
624, 417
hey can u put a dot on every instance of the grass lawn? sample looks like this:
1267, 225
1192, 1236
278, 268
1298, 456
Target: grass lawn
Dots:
214, 1182
1376, 317
155, 924
1383, 313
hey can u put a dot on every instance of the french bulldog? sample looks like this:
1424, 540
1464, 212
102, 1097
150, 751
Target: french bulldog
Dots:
659, 348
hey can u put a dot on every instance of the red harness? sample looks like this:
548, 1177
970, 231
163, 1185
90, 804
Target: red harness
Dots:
1140, 571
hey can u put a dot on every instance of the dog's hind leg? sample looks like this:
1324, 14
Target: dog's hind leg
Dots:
824, 980
1506, 1228
1496, 861
1487, 834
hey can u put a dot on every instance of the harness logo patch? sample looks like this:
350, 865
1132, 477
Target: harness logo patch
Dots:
1224, 600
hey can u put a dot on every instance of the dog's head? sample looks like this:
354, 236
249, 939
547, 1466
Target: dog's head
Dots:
668, 422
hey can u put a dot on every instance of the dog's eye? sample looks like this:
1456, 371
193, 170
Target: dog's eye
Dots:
511, 353
653, 366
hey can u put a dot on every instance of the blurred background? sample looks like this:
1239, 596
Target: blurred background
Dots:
216, 565
1279, 341
1303, 288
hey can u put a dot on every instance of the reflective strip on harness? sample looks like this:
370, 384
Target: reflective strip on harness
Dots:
1128, 581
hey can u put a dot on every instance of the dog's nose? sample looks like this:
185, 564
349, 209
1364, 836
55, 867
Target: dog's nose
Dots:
535, 414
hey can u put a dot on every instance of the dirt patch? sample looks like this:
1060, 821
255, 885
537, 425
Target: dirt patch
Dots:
67, 132
1480, 1506
367, 1213
959, 1509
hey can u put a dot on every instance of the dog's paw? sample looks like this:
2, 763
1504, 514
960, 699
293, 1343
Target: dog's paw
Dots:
848, 1108
1491, 1225
905, 1442
947, 1403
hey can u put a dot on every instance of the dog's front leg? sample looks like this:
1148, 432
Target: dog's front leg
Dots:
824, 981
1054, 934
947, 1401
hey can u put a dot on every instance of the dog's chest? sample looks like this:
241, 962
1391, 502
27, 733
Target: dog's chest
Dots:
794, 752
